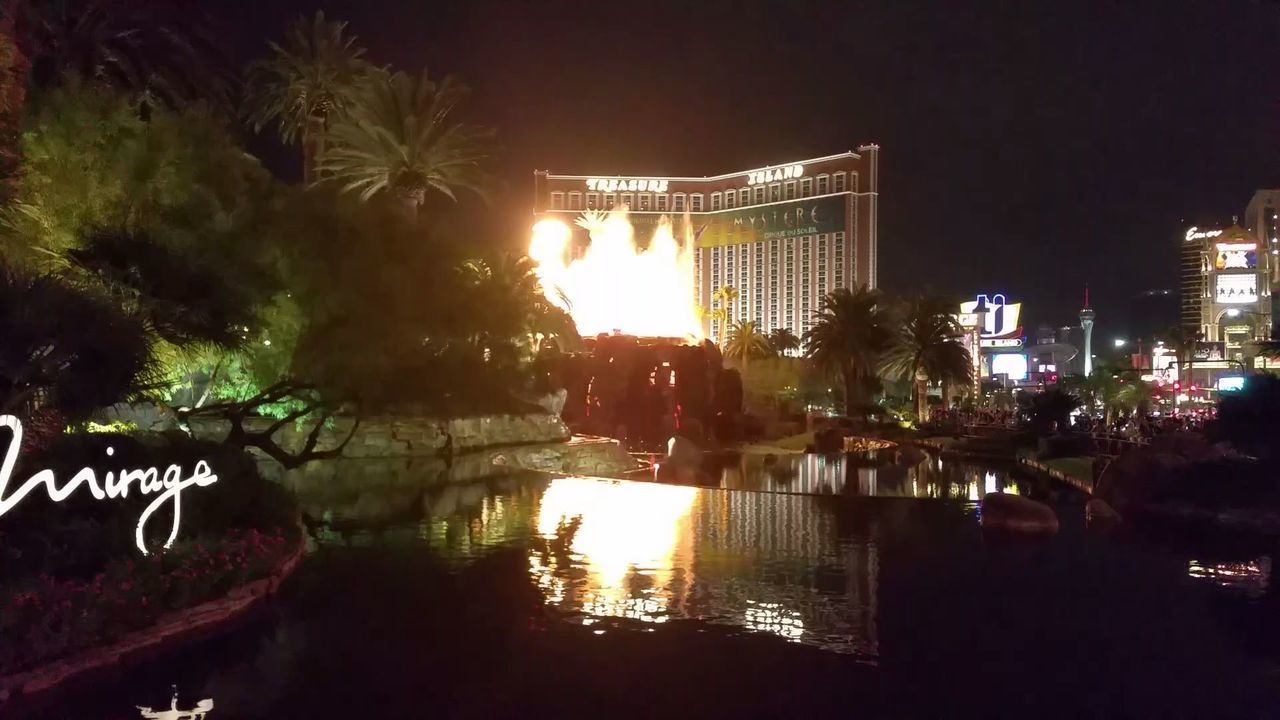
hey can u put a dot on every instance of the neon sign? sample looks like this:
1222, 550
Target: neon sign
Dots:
773, 174
1236, 256
149, 481
1194, 233
627, 185
1000, 318
1237, 289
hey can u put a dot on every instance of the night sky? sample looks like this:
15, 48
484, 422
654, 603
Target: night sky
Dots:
1026, 147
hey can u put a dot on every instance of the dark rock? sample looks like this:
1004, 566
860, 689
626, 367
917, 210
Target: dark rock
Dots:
1017, 514
1099, 515
1136, 477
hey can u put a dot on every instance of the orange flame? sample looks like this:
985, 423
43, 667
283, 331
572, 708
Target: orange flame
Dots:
616, 287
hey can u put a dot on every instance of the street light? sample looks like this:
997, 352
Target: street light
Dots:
1120, 342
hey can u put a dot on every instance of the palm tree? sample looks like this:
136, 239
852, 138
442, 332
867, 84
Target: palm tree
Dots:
402, 138
925, 346
783, 341
847, 339
1183, 342
162, 50
721, 310
744, 342
305, 83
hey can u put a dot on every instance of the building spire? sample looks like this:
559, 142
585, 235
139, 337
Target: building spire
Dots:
1086, 296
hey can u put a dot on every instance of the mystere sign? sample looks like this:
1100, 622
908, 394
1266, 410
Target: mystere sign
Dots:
167, 487
776, 221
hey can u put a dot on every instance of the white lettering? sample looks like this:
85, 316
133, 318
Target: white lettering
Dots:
627, 185
148, 483
1194, 233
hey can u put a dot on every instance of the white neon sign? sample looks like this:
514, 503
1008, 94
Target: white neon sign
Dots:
773, 174
1194, 233
627, 185
149, 480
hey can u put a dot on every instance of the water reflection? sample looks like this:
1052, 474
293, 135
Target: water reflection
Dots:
651, 552
861, 475
1250, 578
173, 712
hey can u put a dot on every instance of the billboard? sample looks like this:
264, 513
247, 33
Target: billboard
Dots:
1208, 352
1013, 365
1237, 289
1236, 256
1000, 319
775, 221
1230, 383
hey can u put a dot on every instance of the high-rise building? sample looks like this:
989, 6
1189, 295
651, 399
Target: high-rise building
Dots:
1262, 219
1230, 299
781, 236
1086, 325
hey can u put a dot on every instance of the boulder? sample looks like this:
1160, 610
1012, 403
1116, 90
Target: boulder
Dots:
1133, 479
553, 402
828, 441
1099, 515
910, 455
1017, 514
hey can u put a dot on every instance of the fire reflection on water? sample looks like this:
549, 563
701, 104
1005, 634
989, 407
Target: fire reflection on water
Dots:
1251, 577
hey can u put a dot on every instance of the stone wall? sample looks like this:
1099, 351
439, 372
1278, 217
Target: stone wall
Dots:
399, 436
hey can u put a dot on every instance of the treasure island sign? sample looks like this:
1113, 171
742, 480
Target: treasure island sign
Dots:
166, 487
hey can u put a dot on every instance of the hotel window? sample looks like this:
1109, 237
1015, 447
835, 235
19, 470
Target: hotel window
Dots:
729, 197
644, 201
715, 201
575, 201
662, 202
677, 202
593, 201
629, 200
744, 197
790, 189
837, 183
610, 200
806, 187
759, 194
775, 192
823, 180
695, 202
557, 201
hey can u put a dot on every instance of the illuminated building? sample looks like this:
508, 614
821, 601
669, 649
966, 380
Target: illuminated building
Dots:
1086, 324
1262, 218
1234, 291
781, 236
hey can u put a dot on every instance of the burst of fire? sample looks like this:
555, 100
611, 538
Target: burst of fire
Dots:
616, 287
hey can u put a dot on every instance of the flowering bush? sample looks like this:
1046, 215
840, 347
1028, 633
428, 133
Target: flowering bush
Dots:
47, 617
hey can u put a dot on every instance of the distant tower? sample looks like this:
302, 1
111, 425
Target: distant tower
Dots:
1086, 323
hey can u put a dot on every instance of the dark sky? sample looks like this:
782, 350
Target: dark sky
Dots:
1026, 146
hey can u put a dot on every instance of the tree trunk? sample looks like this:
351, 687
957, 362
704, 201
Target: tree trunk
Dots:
407, 203
922, 395
312, 147
850, 391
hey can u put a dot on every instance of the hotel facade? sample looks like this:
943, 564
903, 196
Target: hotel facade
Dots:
781, 236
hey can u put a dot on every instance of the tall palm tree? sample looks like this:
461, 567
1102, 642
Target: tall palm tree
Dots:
162, 50
924, 346
402, 138
722, 300
744, 342
847, 339
306, 82
1183, 342
783, 341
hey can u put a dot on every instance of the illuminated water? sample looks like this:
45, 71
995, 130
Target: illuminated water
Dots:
829, 586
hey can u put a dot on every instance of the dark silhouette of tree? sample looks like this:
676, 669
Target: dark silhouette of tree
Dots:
847, 339
1250, 419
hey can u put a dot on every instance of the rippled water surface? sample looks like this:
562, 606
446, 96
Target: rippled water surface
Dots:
799, 584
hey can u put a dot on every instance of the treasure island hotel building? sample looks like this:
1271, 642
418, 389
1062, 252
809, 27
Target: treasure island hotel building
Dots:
782, 236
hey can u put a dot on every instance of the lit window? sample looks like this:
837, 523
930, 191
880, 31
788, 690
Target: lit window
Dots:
662, 203
610, 200
790, 190
644, 201
759, 194
837, 183
677, 202
744, 197
629, 200
593, 201
557, 201
775, 192
806, 187
695, 202
715, 201
729, 197
575, 201
823, 181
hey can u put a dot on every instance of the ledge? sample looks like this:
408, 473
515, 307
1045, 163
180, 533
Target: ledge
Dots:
170, 630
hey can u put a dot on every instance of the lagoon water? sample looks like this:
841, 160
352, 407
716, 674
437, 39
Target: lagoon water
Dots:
807, 585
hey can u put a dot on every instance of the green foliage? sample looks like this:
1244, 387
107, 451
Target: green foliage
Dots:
66, 349
1051, 408
402, 137
925, 346
774, 382
745, 342
783, 342
848, 338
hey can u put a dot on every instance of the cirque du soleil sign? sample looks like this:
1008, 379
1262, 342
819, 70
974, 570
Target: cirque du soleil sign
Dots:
166, 487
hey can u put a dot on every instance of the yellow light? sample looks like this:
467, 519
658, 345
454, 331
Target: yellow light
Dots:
616, 286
